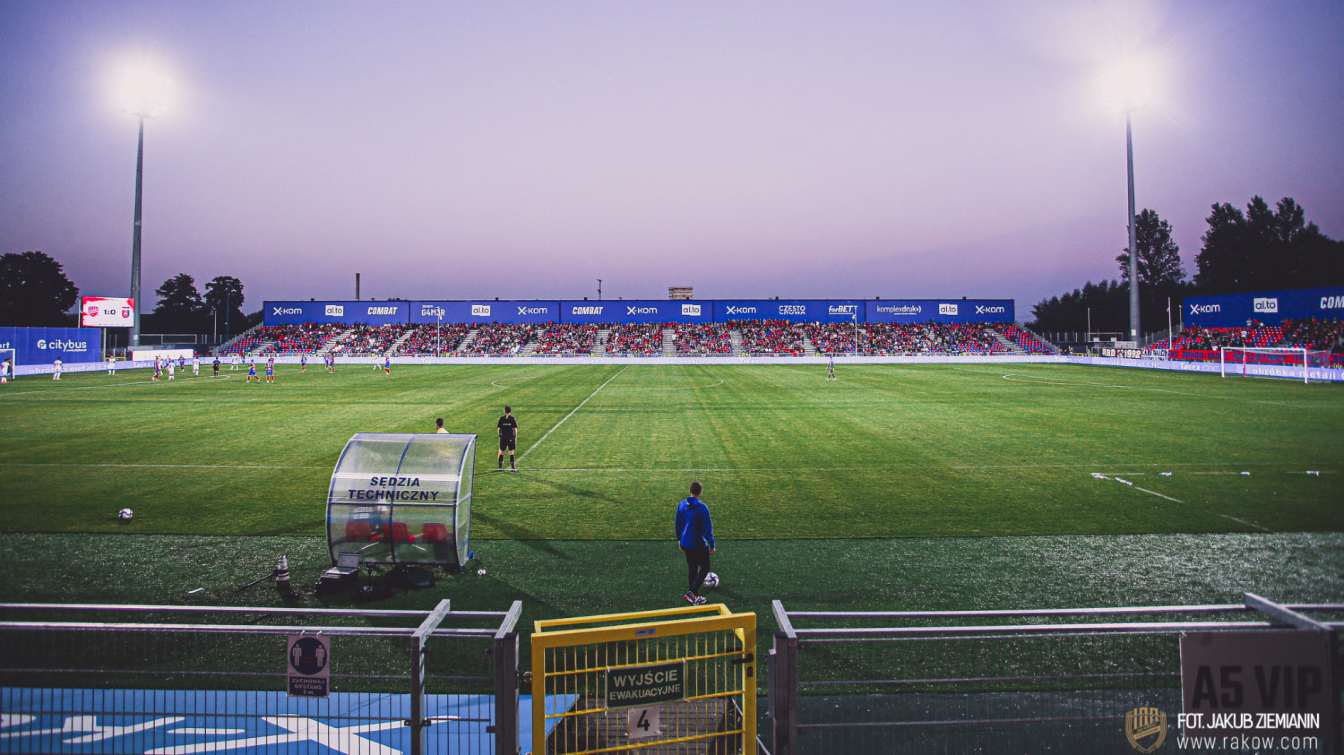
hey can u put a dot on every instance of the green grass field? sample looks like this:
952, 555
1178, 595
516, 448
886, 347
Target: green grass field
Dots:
929, 486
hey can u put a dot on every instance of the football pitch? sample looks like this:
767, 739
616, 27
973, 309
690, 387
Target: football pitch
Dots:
896, 486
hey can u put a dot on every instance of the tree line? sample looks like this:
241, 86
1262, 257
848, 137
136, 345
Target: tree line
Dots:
1261, 248
35, 291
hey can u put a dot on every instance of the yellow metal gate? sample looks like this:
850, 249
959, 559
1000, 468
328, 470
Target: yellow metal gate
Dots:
674, 680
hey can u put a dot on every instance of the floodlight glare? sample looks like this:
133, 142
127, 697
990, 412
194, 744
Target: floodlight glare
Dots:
141, 88
1129, 83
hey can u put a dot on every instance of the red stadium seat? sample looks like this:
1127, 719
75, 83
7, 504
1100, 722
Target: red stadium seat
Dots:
434, 532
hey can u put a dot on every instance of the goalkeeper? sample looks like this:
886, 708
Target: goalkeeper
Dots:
695, 535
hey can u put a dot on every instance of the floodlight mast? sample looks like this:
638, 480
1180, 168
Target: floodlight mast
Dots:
135, 234
1134, 323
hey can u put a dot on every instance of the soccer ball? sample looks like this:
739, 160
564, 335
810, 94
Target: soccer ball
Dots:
125, 515
711, 581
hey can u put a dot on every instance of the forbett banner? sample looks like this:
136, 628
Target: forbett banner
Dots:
790, 310
46, 345
1268, 307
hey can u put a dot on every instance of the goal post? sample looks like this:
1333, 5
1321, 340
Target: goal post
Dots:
1233, 360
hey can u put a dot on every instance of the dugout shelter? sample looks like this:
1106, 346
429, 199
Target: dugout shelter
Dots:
402, 499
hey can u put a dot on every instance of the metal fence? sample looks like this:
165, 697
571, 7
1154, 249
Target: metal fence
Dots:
186, 679
1048, 680
599, 678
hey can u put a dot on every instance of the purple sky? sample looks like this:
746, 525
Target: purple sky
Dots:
747, 149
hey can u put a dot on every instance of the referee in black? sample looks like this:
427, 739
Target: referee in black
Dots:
508, 439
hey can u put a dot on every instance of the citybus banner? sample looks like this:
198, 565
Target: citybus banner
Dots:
46, 345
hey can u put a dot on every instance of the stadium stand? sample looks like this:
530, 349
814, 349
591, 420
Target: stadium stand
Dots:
1203, 344
370, 339
565, 340
715, 339
428, 340
635, 340
888, 339
1024, 339
832, 338
770, 337
500, 340
297, 339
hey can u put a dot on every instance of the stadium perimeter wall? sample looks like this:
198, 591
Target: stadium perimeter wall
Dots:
1318, 374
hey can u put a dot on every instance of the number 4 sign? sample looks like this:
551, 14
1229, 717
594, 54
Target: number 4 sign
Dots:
645, 722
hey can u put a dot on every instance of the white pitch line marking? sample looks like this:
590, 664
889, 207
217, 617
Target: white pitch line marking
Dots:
133, 465
107, 385
556, 426
1248, 524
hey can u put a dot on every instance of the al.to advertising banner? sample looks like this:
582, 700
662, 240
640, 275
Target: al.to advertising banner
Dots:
106, 312
940, 310
635, 311
340, 312
1268, 307
46, 345
485, 311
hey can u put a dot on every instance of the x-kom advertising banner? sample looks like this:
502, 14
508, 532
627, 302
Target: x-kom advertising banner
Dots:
486, 310
340, 312
635, 311
790, 310
1269, 307
940, 310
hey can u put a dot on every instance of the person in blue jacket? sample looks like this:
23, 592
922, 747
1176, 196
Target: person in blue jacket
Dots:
695, 535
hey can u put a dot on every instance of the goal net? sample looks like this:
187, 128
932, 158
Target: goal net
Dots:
1236, 361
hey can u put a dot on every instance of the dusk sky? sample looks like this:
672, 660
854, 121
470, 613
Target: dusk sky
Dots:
522, 150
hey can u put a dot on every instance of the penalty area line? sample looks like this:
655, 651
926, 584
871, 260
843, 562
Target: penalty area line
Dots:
572, 412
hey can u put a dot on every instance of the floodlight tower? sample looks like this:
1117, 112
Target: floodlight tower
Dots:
1133, 242
142, 92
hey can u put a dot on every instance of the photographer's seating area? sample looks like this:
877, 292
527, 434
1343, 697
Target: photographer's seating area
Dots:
635, 340
566, 340
702, 339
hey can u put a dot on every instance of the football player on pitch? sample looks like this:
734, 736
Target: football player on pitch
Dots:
508, 439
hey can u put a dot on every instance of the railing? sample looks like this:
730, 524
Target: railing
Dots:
678, 679
1045, 680
92, 677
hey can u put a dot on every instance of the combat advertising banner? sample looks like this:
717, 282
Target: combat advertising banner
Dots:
790, 310
485, 310
339, 312
940, 310
46, 345
635, 311
1269, 307
106, 312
